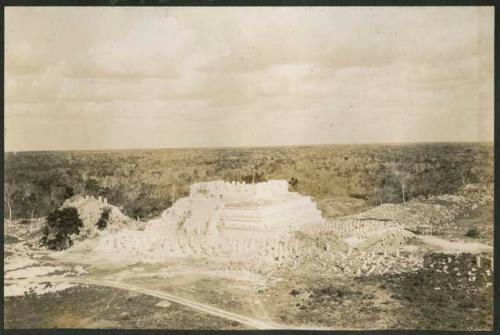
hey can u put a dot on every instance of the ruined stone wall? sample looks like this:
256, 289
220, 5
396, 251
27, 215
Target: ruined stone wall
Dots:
229, 189
361, 228
155, 247
355, 263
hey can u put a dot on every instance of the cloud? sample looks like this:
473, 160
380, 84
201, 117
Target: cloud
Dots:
380, 74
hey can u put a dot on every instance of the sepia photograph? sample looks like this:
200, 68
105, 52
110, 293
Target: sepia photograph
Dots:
238, 168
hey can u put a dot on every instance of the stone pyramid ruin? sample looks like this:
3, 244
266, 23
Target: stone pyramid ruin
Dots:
223, 218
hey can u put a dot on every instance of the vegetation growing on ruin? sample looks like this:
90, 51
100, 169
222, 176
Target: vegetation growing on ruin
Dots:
61, 225
146, 182
102, 223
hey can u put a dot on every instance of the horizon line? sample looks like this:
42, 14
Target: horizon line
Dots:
248, 147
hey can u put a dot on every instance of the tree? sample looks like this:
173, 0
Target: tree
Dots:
31, 194
52, 184
404, 182
389, 188
92, 186
10, 194
294, 183
378, 195
61, 224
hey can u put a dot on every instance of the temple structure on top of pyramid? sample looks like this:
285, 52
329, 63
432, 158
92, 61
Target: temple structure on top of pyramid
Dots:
259, 208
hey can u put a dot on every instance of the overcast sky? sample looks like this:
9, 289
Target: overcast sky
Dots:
110, 78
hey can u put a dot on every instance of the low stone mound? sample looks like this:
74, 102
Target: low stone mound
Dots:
321, 242
432, 215
393, 238
90, 210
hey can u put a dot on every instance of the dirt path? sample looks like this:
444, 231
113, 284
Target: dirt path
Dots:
254, 323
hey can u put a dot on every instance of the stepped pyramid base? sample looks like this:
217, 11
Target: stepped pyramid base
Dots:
226, 219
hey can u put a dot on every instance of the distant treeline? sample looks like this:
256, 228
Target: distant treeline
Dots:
147, 182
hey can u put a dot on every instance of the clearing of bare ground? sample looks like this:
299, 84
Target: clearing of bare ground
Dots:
234, 291
104, 307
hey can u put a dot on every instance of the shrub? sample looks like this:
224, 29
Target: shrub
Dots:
473, 232
294, 184
389, 188
102, 223
61, 224
255, 177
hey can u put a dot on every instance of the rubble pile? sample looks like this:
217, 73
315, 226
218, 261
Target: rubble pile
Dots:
357, 263
153, 245
431, 215
391, 238
361, 227
90, 210
24, 230
465, 268
410, 215
478, 195
325, 242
